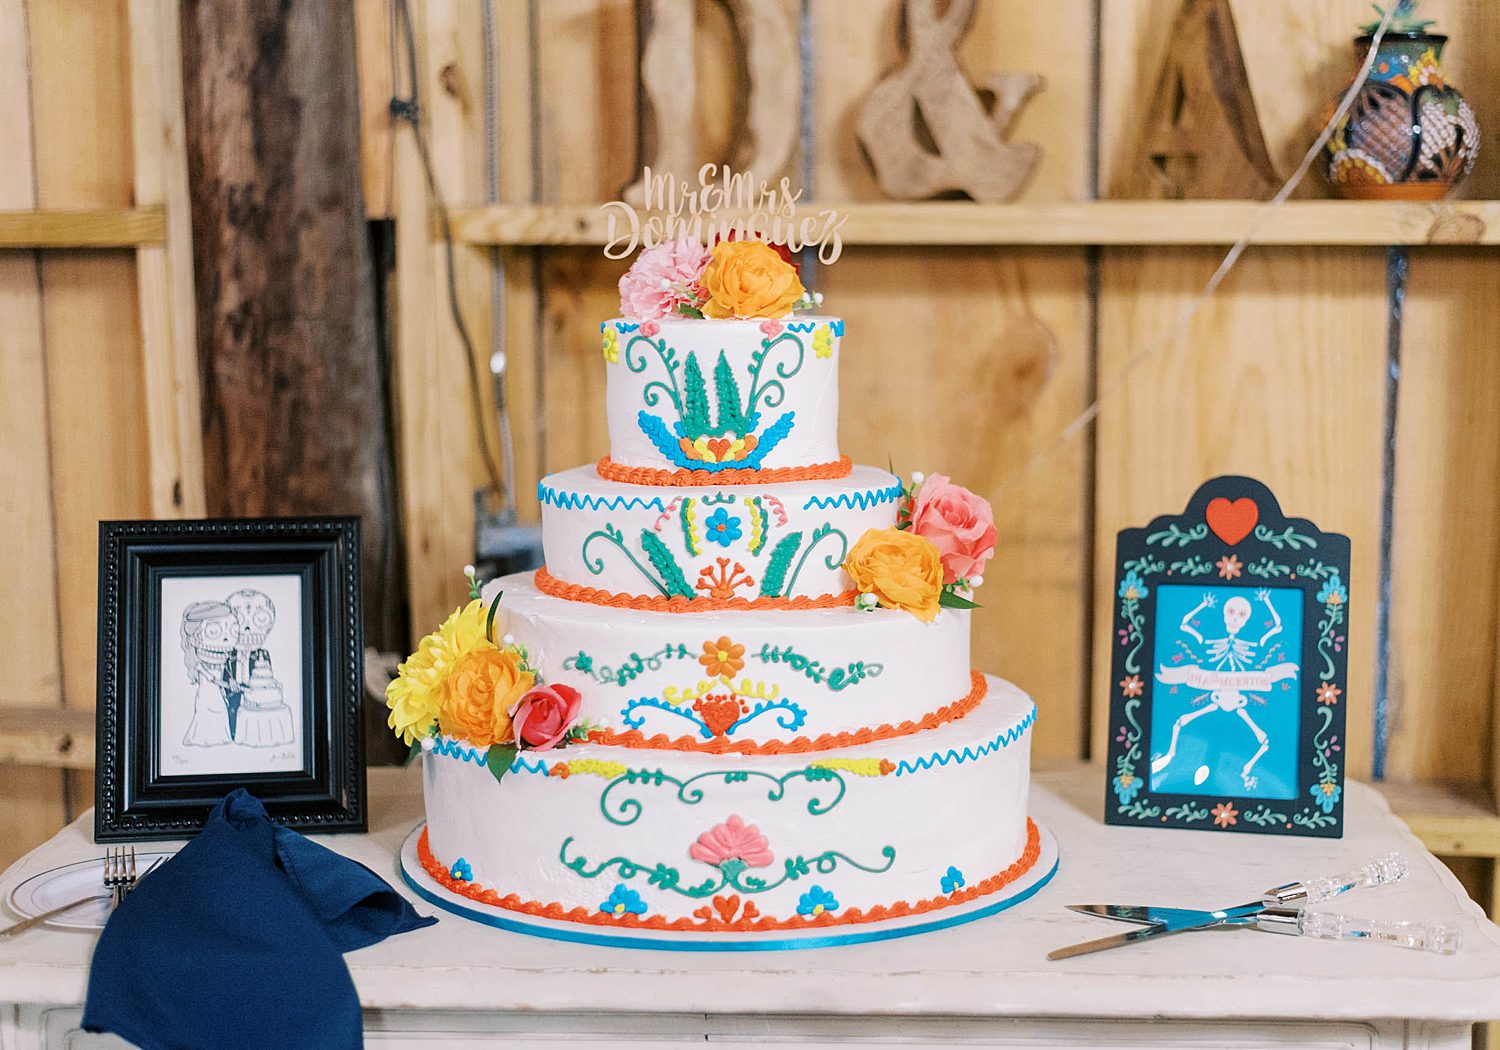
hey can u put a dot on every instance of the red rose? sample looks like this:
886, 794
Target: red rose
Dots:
544, 715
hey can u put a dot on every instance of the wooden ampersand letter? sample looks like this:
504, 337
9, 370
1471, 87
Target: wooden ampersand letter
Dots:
972, 154
773, 71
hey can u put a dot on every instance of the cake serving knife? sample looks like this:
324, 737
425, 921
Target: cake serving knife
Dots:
1280, 910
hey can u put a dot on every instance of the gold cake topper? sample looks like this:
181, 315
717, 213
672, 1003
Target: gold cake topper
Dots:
723, 204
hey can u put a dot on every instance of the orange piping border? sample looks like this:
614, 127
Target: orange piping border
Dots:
756, 924
609, 470
634, 738
577, 592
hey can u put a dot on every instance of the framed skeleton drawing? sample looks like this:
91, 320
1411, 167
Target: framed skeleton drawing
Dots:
229, 656
1230, 653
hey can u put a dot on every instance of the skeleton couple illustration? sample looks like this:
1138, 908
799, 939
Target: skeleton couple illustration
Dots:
236, 699
1230, 671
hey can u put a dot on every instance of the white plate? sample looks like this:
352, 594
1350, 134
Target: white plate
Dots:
57, 886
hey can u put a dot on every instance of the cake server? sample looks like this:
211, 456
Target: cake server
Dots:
1280, 910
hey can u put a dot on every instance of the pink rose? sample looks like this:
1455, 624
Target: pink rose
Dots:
543, 716
649, 328
662, 278
771, 328
958, 523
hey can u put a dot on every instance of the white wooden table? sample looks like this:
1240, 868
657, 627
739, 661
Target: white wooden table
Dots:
462, 985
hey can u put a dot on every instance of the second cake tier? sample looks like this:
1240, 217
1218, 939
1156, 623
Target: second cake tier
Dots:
704, 546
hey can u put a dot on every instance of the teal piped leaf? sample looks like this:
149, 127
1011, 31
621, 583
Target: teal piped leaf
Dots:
498, 759
731, 417
695, 422
665, 565
781, 560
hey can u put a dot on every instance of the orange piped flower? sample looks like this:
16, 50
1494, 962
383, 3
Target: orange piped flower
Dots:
721, 581
749, 279
723, 658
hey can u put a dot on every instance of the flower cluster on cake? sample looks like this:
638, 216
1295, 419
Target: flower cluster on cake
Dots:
736, 701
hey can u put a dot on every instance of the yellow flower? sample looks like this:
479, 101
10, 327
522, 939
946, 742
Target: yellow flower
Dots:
479, 692
748, 279
416, 695
822, 341
903, 571
611, 346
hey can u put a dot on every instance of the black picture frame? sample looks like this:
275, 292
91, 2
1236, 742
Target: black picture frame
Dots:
1181, 574
138, 796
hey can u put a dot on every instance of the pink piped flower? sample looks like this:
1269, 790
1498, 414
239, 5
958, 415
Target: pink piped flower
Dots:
771, 327
733, 840
649, 328
960, 525
662, 278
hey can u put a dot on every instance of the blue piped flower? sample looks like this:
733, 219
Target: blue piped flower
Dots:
816, 901
1132, 587
623, 901
953, 880
461, 871
1326, 795
1127, 786
722, 527
1333, 592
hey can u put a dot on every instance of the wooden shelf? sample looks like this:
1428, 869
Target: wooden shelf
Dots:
1121, 223
55, 737
104, 228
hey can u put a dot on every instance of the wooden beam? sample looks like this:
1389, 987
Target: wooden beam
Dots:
52, 737
1450, 821
1062, 223
164, 272
83, 228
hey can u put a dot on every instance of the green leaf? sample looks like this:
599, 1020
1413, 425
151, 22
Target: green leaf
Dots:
952, 600
689, 311
727, 389
416, 749
774, 577
694, 400
498, 759
489, 621
662, 560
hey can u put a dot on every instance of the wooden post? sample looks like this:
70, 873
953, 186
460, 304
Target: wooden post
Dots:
295, 419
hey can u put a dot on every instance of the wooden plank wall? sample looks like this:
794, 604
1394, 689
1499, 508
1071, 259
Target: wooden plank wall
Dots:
75, 445
1281, 376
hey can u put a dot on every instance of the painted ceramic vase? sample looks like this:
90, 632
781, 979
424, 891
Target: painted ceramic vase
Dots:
1409, 135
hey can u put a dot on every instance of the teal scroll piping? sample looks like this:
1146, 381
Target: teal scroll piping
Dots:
732, 874
626, 811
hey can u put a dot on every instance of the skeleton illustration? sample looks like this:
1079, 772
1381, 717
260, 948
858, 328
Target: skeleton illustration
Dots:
1230, 672
238, 699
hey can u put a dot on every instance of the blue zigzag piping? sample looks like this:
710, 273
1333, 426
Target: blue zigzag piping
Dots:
577, 501
851, 500
453, 749
968, 754
625, 327
836, 325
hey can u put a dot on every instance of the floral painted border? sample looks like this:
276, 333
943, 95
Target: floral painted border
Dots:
1274, 550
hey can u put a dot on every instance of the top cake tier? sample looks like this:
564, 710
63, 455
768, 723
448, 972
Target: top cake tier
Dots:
722, 397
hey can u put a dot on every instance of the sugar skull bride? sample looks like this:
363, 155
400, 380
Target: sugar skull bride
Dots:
236, 698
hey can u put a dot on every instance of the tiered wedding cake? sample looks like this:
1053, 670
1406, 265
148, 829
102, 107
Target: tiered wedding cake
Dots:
736, 703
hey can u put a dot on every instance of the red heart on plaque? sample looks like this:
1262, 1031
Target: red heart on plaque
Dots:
1232, 521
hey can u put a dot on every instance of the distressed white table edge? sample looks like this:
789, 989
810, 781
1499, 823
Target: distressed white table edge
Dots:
994, 968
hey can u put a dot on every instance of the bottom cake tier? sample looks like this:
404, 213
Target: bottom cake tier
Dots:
611, 840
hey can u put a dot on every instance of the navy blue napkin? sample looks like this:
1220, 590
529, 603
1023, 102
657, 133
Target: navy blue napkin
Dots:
237, 941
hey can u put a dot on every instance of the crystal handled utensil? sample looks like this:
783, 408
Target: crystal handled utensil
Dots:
1390, 868
1437, 937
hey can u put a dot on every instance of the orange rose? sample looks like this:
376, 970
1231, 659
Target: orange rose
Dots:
901, 569
748, 279
478, 694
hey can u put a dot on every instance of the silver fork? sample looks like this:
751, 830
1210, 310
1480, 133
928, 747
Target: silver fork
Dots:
119, 878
